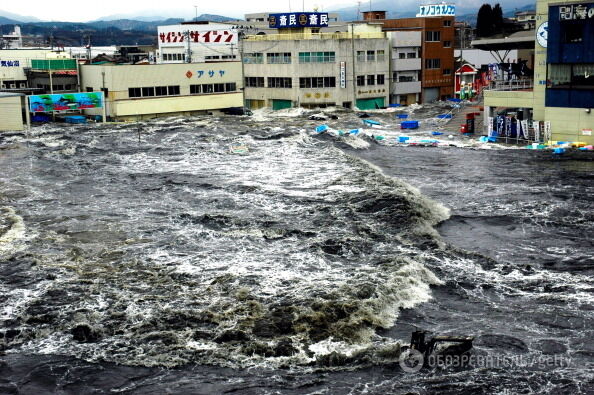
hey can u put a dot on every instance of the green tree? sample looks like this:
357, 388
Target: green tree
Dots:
497, 19
484, 21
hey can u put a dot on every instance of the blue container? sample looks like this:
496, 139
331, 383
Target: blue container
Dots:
403, 139
436, 133
559, 151
492, 139
484, 139
444, 116
354, 132
409, 125
40, 118
402, 116
322, 128
75, 119
394, 105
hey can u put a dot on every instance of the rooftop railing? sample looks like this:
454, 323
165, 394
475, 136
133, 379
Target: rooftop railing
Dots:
313, 36
511, 85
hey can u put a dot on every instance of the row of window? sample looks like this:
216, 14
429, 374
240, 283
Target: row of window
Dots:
174, 57
173, 90
310, 57
212, 88
287, 82
371, 79
371, 56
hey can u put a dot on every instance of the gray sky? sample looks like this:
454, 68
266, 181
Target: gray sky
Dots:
80, 11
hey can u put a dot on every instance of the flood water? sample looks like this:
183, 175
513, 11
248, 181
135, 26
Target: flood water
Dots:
152, 258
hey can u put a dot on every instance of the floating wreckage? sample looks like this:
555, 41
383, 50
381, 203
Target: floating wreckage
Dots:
422, 353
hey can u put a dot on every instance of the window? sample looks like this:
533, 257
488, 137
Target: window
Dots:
212, 57
370, 56
433, 36
254, 57
447, 44
406, 78
132, 92
280, 82
148, 91
381, 79
195, 89
381, 55
360, 80
161, 91
219, 88
432, 63
173, 90
401, 55
411, 55
317, 82
447, 71
360, 56
230, 87
278, 58
207, 88
371, 79
317, 57
447, 22
90, 89
254, 82
571, 76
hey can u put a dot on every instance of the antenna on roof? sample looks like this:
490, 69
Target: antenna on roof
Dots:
358, 9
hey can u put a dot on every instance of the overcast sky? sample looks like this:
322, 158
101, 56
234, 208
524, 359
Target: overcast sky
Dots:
82, 11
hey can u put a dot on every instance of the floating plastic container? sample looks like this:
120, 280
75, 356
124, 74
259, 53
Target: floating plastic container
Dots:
40, 118
75, 119
395, 105
403, 139
354, 132
492, 139
436, 133
558, 151
322, 128
371, 122
444, 116
409, 125
484, 139
402, 116
379, 138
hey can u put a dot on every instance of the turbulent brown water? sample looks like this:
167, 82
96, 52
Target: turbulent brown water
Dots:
163, 261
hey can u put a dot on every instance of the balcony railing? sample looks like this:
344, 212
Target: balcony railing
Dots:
53, 64
511, 85
313, 36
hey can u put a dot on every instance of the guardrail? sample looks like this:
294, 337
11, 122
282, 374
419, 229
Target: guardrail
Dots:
510, 85
313, 36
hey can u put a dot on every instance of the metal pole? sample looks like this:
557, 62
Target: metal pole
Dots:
353, 66
27, 114
240, 48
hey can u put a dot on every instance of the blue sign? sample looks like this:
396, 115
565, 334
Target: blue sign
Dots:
298, 19
10, 63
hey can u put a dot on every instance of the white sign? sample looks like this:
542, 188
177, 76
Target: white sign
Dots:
524, 125
490, 127
211, 34
542, 34
436, 10
343, 74
547, 130
586, 132
536, 127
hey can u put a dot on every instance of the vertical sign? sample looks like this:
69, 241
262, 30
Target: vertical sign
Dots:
536, 127
547, 131
524, 125
490, 127
343, 74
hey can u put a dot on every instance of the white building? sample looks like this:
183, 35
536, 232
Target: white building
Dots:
197, 42
406, 66
13, 40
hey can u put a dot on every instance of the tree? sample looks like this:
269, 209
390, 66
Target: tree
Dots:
484, 21
497, 19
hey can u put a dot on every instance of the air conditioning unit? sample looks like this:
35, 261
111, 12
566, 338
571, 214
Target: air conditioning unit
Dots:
12, 86
23, 85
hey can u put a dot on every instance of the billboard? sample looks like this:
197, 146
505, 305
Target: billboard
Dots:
66, 101
298, 19
179, 35
437, 10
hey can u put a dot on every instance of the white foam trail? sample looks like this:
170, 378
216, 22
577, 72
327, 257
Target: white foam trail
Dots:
15, 232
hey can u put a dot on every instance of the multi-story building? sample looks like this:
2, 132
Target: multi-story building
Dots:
563, 94
301, 67
147, 91
405, 61
12, 40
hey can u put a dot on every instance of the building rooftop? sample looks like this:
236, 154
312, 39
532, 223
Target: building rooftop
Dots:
520, 40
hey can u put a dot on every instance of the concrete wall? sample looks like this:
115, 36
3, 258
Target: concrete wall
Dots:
11, 117
312, 96
516, 99
567, 124
117, 80
24, 57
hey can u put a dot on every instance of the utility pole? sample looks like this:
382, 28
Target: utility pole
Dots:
353, 67
196, 17
189, 50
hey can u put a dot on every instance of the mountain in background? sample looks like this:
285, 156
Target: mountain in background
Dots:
16, 18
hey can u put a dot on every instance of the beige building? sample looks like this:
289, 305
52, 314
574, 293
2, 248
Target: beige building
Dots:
11, 111
147, 91
303, 68
562, 96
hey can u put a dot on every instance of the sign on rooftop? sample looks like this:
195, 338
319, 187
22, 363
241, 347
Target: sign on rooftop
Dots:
436, 10
298, 19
